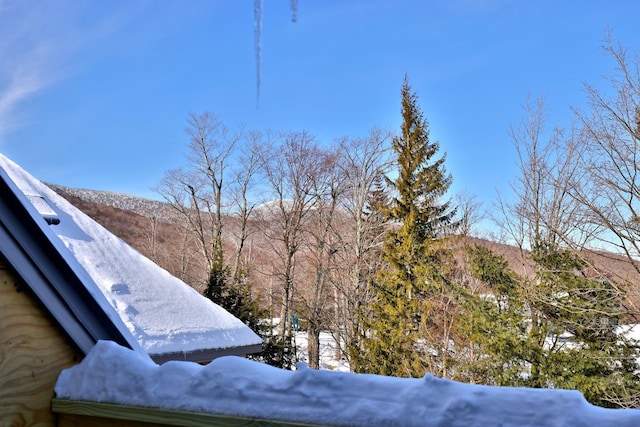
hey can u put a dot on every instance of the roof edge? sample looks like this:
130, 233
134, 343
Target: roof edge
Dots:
201, 356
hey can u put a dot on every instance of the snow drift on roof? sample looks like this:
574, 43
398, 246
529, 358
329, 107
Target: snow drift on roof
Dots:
164, 314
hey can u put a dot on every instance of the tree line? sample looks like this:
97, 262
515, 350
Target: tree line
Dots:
361, 238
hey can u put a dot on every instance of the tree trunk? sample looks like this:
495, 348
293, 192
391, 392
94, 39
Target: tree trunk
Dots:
313, 340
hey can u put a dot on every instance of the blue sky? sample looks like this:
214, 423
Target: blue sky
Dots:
95, 94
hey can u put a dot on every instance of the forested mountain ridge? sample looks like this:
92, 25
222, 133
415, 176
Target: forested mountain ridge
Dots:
126, 202
146, 225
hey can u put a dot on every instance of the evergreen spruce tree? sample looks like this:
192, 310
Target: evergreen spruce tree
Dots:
235, 297
557, 331
405, 332
495, 322
244, 306
378, 200
581, 313
217, 284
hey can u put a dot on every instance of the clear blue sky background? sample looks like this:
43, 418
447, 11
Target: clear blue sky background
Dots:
95, 94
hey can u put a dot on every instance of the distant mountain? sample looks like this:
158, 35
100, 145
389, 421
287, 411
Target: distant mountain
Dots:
146, 225
126, 202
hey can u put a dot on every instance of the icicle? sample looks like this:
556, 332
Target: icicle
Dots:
257, 34
294, 10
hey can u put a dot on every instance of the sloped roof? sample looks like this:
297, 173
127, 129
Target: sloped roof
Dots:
82, 265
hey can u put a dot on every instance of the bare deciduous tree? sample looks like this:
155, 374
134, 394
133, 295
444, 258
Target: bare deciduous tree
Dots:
244, 173
320, 248
364, 162
611, 158
544, 210
196, 191
469, 213
289, 168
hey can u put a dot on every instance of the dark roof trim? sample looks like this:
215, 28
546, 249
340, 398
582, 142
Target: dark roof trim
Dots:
207, 355
27, 247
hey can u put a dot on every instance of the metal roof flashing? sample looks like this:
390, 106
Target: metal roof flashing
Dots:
44, 208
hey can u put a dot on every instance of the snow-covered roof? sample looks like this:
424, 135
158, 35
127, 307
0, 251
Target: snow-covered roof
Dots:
239, 387
165, 316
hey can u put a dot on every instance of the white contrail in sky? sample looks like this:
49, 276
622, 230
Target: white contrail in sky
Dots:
41, 43
23, 57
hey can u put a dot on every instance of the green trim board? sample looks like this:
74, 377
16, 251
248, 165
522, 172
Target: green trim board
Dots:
159, 416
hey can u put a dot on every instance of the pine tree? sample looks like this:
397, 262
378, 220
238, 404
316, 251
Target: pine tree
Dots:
406, 333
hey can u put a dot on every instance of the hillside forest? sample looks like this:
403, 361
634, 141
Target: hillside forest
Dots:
361, 238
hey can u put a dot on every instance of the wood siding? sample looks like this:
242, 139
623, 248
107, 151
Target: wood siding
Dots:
33, 351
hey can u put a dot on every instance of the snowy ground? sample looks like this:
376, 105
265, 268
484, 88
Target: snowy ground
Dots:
330, 358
